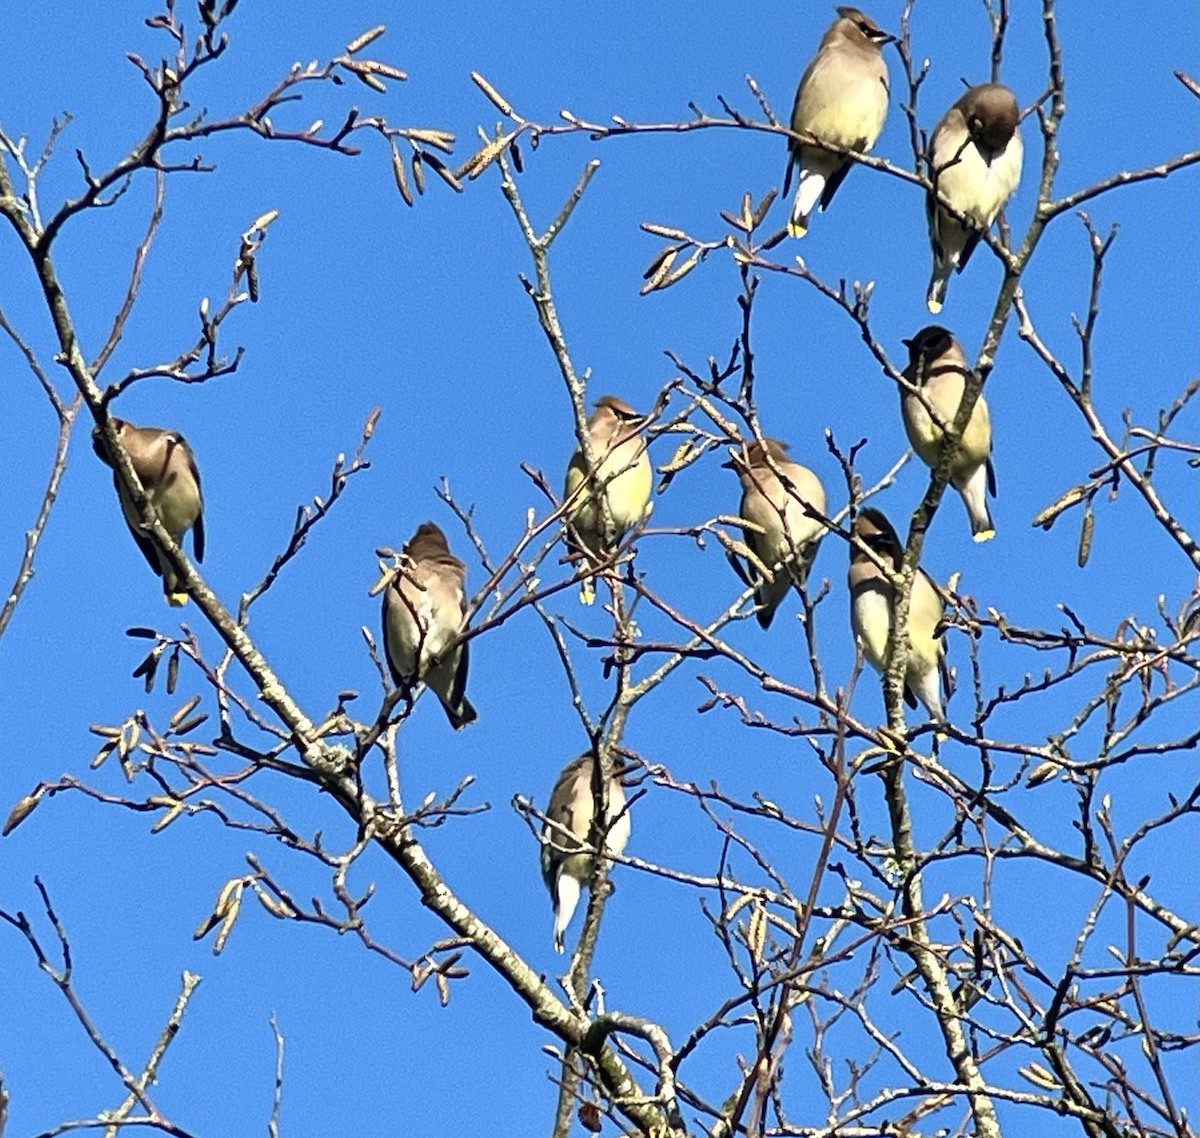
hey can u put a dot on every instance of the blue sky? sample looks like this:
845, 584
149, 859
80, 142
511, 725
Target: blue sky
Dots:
366, 303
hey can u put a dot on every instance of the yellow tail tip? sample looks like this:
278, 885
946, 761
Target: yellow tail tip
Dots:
177, 600
587, 594
795, 229
984, 535
934, 306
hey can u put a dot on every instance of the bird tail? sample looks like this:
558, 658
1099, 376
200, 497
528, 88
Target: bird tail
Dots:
578, 555
974, 495
566, 896
461, 715
936, 296
808, 193
927, 690
766, 608
947, 238
177, 600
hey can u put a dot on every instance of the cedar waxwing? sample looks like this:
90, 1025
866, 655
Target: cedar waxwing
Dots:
166, 468
788, 538
938, 367
975, 164
624, 477
423, 609
871, 606
566, 868
843, 100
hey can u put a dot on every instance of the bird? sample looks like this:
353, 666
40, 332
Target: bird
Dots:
938, 367
784, 538
842, 100
423, 609
566, 864
622, 477
166, 468
975, 159
872, 602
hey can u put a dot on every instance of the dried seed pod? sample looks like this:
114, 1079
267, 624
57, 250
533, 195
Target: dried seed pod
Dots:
183, 712
665, 231
756, 933
483, 158
741, 549
131, 734
278, 908
206, 926
365, 76
682, 271
226, 928
21, 811
657, 270
444, 172
230, 891
1043, 772
374, 67
167, 818
189, 725
685, 454
442, 140
388, 573
1064, 501
401, 176
1039, 1076
740, 223
359, 42
1085, 535
148, 668
497, 100
768, 200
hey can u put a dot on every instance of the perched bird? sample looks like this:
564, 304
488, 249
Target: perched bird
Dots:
787, 539
566, 867
423, 609
167, 470
842, 100
872, 602
975, 164
622, 477
937, 366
